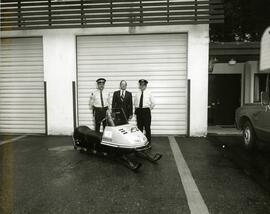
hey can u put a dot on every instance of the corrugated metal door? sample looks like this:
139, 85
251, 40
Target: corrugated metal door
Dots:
22, 108
161, 59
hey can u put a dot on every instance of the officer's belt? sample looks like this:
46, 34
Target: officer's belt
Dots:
106, 107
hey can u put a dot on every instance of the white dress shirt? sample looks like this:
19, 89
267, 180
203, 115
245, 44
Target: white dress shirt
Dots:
95, 99
148, 99
122, 92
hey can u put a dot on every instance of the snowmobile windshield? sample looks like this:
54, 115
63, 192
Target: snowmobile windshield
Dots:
116, 118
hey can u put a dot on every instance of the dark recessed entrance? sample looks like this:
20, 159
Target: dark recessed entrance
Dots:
224, 97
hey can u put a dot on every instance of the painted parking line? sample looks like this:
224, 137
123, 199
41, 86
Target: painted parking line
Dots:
13, 139
195, 201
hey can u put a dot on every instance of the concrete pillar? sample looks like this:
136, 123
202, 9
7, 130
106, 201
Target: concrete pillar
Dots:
59, 71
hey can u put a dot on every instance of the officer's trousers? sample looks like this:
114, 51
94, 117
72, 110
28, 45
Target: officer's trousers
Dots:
143, 116
100, 114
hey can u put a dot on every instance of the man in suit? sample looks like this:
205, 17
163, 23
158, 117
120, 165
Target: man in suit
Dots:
123, 99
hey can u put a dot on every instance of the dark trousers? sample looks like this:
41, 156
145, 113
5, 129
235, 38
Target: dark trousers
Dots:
144, 121
100, 114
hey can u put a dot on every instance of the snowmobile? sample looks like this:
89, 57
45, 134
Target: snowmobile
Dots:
119, 140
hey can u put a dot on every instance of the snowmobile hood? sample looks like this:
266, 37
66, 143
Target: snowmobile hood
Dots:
124, 136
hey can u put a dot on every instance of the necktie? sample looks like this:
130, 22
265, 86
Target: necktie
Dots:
141, 101
101, 99
122, 96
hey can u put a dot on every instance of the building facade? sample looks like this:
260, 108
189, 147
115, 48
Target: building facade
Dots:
234, 80
48, 72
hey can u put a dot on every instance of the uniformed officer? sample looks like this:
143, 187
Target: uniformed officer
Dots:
144, 103
99, 101
123, 99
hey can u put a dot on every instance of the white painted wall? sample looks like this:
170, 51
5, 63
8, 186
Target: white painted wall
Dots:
252, 67
198, 55
60, 70
225, 68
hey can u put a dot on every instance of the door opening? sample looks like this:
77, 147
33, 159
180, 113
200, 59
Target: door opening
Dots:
224, 97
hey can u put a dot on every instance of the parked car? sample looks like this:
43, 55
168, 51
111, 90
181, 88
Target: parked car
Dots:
254, 119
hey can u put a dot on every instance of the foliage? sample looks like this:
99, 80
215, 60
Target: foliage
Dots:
245, 20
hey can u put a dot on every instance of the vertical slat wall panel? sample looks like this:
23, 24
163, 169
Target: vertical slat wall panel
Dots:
48, 14
161, 59
22, 107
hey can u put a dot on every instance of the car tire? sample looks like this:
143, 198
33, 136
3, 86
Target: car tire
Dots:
249, 136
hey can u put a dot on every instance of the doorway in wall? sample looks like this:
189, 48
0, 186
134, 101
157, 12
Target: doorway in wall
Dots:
224, 97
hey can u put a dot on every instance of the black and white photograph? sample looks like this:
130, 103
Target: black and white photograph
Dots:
134, 106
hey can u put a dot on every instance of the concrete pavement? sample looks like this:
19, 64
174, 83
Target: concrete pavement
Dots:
45, 175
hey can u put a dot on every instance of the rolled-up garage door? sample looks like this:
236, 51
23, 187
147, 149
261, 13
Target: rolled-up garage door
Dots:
22, 108
161, 59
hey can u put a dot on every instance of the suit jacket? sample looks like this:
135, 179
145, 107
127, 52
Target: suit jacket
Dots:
126, 104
